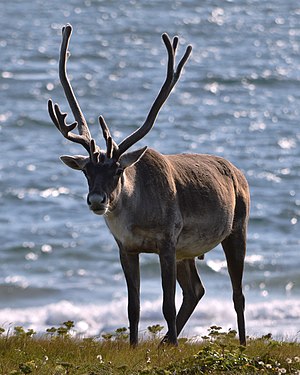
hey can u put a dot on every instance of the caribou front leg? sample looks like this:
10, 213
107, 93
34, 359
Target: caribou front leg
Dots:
130, 265
168, 275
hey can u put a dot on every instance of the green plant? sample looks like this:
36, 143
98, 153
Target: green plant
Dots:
58, 353
20, 332
119, 335
155, 330
62, 331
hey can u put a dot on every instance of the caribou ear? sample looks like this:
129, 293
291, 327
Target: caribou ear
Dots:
77, 162
130, 158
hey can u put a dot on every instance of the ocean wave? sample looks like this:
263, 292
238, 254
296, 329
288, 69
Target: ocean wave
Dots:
218, 265
279, 317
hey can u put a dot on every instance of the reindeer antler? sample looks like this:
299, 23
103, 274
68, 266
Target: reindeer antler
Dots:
112, 148
170, 81
113, 151
59, 118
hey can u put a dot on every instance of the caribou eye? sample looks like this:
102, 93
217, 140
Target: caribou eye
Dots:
119, 171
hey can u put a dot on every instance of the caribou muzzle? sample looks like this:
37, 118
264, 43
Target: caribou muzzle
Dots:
98, 203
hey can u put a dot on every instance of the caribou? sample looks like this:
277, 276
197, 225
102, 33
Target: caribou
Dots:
177, 206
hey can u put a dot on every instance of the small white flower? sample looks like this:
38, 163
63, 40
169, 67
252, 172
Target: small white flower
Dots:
282, 370
100, 359
288, 360
297, 359
45, 359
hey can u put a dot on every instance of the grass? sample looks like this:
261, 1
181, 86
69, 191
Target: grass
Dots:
58, 353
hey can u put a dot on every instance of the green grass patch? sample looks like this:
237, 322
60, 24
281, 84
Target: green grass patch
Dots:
57, 352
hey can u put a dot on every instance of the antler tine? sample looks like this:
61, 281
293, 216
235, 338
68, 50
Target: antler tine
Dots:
73, 103
175, 43
59, 120
170, 81
95, 152
52, 114
111, 146
104, 127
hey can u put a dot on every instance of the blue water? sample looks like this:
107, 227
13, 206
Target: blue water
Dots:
239, 97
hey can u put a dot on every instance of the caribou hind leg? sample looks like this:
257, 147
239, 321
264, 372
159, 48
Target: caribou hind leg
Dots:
235, 249
192, 289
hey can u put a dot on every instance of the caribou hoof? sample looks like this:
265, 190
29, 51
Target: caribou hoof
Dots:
166, 341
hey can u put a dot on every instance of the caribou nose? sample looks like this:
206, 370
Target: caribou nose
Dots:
97, 203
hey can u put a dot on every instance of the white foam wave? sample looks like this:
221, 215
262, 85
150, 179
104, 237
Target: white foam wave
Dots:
219, 265
279, 317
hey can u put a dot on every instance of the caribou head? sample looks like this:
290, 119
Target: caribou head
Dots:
104, 169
